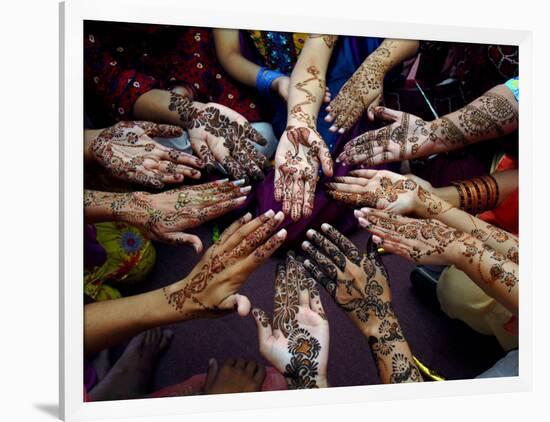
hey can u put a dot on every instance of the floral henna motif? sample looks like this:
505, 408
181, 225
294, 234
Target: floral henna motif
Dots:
329, 40
303, 368
123, 148
237, 137
403, 370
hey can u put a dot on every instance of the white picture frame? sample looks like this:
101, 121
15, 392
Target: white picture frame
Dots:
73, 13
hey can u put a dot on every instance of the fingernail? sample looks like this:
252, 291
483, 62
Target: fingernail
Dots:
305, 244
247, 217
341, 131
269, 214
221, 181
281, 233
310, 233
279, 216
239, 182
363, 222
307, 262
358, 213
366, 210
241, 199
210, 362
338, 159
246, 189
325, 226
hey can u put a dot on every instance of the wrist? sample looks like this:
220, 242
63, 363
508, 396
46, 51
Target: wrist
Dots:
181, 308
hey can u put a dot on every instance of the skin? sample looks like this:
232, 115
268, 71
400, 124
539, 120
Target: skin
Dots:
228, 51
358, 283
392, 192
301, 150
296, 344
364, 90
128, 152
209, 291
221, 137
166, 216
431, 242
235, 376
490, 116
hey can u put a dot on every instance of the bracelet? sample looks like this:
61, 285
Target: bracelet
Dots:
478, 194
265, 78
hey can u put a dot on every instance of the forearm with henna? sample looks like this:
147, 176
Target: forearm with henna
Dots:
490, 116
430, 206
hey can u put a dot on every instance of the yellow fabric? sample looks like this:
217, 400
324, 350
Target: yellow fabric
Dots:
130, 258
298, 37
460, 298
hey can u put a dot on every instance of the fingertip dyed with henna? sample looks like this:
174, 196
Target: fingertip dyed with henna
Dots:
325, 226
269, 213
279, 216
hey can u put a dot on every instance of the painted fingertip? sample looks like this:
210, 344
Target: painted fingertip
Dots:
363, 222
366, 210
325, 227
341, 130
279, 216
338, 159
241, 199
333, 128
211, 362
378, 240
281, 234
269, 213
307, 262
239, 182
246, 189
221, 181
310, 233
358, 213
247, 217
305, 244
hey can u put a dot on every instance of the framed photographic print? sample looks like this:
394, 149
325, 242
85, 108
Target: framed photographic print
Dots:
302, 211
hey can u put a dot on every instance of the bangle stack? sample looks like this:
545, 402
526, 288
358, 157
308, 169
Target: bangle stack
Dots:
478, 194
265, 78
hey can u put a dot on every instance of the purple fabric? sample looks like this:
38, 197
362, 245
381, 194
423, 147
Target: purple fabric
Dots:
90, 376
94, 253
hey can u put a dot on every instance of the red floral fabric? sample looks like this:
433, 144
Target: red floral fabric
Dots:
123, 61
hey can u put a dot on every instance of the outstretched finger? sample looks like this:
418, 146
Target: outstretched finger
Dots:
253, 135
265, 250
387, 114
233, 227
203, 151
320, 277
328, 248
159, 129
264, 327
180, 157
343, 243
315, 302
325, 263
217, 210
242, 232
325, 159
297, 200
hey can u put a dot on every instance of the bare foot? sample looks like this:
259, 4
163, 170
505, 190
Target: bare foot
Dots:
235, 376
130, 376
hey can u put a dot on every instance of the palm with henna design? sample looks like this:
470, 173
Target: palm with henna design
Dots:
297, 342
221, 137
297, 160
407, 137
211, 289
385, 190
127, 151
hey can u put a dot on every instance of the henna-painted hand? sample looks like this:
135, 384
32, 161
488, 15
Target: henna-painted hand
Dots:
297, 159
282, 86
222, 138
407, 137
128, 152
362, 92
297, 344
212, 286
357, 282
388, 191
428, 242
165, 216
